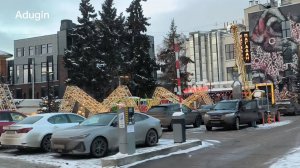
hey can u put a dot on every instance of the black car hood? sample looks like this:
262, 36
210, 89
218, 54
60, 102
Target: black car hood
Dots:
216, 112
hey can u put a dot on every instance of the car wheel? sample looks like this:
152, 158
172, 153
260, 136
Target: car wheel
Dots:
151, 138
208, 127
46, 143
99, 147
236, 125
197, 122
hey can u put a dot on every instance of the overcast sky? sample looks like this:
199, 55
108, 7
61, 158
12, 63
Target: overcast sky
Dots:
189, 15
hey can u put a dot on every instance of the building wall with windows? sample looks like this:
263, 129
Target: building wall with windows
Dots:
38, 63
213, 54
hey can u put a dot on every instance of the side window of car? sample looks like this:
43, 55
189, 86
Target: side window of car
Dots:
75, 118
139, 117
58, 119
249, 105
16, 117
4, 117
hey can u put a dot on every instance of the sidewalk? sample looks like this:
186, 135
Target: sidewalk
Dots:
164, 147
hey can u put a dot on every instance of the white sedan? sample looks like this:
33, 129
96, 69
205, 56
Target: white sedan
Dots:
35, 131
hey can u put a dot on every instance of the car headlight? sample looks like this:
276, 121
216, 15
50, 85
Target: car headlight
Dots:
229, 115
80, 136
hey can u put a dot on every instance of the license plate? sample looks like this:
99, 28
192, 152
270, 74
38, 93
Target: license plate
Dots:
10, 132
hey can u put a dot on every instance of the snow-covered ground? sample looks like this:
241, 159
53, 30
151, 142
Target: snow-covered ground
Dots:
86, 162
272, 125
291, 160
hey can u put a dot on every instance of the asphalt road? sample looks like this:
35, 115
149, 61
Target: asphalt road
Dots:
245, 148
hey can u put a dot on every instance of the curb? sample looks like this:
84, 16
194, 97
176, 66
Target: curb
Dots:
128, 159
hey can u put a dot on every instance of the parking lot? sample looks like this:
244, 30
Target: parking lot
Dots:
221, 139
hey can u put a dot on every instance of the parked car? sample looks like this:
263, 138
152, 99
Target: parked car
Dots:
35, 131
287, 107
99, 133
232, 113
9, 118
164, 113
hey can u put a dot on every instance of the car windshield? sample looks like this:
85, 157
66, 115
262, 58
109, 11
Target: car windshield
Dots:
226, 105
30, 120
99, 120
206, 107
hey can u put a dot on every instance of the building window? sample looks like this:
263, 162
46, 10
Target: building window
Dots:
49, 48
17, 74
11, 73
286, 29
51, 75
44, 49
25, 73
31, 73
31, 50
44, 71
229, 51
20, 52
229, 71
38, 50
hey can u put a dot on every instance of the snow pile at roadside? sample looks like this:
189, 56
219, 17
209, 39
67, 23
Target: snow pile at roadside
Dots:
291, 160
272, 125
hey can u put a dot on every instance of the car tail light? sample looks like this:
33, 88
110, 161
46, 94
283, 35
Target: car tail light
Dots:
24, 130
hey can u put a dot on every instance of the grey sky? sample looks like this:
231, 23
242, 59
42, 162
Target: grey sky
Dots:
189, 15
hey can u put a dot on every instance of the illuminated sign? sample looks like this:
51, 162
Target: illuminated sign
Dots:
195, 89
245, 46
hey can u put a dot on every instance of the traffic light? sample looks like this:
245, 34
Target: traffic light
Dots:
245, 46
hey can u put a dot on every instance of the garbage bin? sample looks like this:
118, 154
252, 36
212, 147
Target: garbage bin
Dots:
178, 127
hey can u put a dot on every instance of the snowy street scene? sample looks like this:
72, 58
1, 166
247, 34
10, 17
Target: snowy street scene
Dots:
150, 84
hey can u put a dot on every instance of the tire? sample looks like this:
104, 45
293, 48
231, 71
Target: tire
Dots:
46, 143
236, 125
151, 138
208, 127
197, 122
252, 124
99, 147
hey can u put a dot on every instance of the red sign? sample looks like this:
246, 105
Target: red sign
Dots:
196, 89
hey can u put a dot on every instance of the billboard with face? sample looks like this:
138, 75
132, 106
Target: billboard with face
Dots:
275, 36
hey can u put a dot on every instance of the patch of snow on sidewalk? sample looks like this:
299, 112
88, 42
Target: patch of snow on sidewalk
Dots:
54, 159
204, 145
272, 125
291, 160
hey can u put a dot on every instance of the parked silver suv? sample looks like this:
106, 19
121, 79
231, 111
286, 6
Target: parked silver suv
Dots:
231, 114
